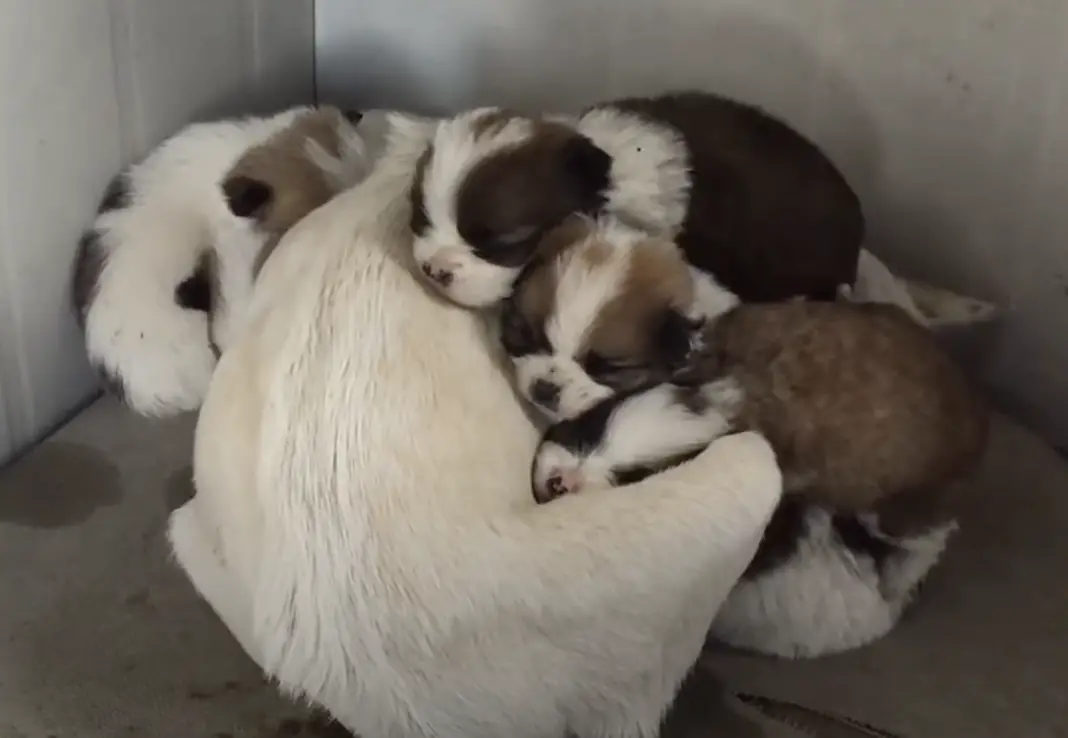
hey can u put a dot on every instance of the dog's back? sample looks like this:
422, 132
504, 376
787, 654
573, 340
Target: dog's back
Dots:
770, 215
859, 401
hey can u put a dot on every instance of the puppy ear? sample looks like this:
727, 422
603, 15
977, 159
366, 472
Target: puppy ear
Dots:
195, 292
246, 197
677, 338
587, 168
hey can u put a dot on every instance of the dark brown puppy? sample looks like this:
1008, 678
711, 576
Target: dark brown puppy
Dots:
750, 200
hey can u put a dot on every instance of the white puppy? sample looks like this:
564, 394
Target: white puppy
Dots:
162, 275
363, 521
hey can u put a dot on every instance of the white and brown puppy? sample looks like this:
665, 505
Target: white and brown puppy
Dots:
146, 272
749, 200
607, 310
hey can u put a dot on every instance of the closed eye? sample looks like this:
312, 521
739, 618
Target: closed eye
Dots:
511, 249
619, 374
517, 236
598, 365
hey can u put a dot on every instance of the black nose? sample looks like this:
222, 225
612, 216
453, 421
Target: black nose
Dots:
545, 394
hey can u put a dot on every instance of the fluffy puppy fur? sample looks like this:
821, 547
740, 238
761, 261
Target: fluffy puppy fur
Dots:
748, 199
169, 247
872, 424
425, 595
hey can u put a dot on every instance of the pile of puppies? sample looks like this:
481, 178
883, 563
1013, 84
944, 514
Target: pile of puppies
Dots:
669, 270
664, 271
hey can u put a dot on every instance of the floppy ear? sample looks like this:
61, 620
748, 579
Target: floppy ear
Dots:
586, 168
246, 197
677, 339
194, 293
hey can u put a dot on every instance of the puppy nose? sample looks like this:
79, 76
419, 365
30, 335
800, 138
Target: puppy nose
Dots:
560, 483
442, 277
556, 486
545, 394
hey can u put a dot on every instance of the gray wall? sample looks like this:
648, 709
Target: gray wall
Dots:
87, 86
949, 116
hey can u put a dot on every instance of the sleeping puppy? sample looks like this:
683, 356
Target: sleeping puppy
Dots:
748, 199
607, 309
168, 245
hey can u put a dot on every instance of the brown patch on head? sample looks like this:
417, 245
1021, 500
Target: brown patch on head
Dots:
657, 283
279, 182
509, 200
536, 292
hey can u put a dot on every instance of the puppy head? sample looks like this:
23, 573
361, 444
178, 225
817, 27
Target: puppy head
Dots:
613, 312
490, 185
296, 170
624, 439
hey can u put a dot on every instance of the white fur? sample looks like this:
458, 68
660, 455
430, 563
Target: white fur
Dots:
650, 178
361, 469
711, 299
134, 329
928, 305
649, 190
825, 599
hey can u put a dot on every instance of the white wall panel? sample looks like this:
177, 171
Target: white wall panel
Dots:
949, 116
87, 86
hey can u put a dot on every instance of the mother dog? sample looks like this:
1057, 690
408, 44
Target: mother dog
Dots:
363, 522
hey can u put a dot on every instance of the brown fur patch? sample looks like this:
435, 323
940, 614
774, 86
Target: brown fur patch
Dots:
283, 163
769, 213
536, 294
657, 281
856, 397
534, 185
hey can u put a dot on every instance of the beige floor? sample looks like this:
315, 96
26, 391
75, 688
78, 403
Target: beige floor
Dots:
103, 638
